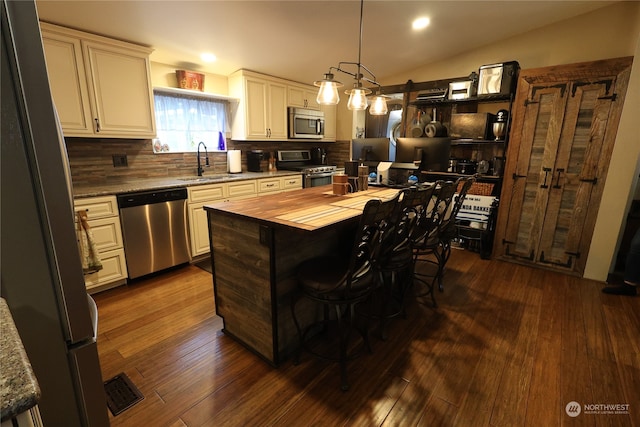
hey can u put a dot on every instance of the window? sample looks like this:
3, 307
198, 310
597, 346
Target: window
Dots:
183, 121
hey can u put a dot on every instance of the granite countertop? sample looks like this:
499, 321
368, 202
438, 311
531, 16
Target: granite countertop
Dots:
129, 185
19, 389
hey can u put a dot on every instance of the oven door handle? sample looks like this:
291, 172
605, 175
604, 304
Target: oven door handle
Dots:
319, 175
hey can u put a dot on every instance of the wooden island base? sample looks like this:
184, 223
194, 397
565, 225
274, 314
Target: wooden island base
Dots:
256, 246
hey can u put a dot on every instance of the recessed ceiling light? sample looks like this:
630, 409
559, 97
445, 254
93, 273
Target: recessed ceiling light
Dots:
208, 57
420, 23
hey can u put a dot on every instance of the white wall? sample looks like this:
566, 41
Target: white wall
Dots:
609, 32
622, 180
163, 75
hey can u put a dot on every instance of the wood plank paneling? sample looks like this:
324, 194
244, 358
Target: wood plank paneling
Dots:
562, 135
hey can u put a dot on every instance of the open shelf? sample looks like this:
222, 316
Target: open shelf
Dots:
458, 175
446, 101
476, 142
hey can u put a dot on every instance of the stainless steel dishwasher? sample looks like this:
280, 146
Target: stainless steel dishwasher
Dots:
154, 229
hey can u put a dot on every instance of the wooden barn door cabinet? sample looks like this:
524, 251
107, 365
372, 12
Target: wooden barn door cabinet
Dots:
565, 120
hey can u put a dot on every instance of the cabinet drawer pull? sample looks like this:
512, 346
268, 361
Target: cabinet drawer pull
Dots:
97, 124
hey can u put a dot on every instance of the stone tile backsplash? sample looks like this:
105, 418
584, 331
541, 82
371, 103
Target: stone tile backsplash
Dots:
91, 160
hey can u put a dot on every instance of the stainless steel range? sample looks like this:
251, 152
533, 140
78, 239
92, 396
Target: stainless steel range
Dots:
300, 160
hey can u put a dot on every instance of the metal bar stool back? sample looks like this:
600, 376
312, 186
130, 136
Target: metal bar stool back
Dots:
448, 229
396, 266
339, 284
426, 238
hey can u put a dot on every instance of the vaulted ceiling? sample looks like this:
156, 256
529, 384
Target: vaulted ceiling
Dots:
300, 39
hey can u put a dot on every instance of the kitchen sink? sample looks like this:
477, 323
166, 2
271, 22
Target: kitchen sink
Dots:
205, 178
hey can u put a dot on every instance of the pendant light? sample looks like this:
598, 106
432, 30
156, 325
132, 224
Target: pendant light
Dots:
328, 92
378, 105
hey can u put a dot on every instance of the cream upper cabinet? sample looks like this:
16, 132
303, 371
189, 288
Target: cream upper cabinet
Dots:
68, 82
303, 97
330, 122
101, 87
262, 111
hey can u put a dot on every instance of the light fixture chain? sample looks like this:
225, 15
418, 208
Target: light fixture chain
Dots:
360, 42
328, 92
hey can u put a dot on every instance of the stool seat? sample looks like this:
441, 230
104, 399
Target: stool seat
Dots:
325, 278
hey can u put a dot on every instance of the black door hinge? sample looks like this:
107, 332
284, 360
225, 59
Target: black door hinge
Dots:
611, 97
593, 181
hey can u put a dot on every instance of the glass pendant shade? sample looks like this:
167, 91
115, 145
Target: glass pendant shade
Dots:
328, 93
378, 106
357, 99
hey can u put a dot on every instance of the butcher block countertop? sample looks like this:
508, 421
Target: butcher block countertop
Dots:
308, 209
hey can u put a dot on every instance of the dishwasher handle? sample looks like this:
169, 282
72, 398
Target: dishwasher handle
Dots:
130, 200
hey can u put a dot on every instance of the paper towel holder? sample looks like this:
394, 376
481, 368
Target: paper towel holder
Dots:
234, 161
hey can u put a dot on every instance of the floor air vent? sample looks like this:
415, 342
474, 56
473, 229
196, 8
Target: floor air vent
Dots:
121, 393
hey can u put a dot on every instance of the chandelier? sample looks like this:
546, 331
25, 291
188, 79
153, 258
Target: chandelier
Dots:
328, 92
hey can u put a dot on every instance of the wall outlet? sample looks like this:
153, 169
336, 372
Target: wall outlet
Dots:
120, 160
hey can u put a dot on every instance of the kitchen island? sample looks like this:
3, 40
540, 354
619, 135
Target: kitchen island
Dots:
256, 246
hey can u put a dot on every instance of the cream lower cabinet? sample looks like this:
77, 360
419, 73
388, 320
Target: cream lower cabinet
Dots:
29, 418
104, 220
279, 184
101, 87
293, 182
200, 195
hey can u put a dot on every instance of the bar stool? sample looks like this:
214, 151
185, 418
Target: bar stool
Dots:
449, 230
341, 283
426, 238
396, 265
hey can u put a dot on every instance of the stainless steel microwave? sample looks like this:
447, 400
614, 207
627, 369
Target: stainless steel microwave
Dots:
305, 123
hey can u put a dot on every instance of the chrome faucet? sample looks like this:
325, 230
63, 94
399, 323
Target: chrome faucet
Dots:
206, 158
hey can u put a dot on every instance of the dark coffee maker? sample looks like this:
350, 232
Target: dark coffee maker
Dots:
318, 156
254, 157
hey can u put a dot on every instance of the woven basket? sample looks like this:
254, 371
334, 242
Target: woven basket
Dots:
479, 188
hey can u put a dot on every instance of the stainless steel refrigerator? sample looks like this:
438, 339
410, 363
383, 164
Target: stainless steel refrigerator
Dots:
40, 269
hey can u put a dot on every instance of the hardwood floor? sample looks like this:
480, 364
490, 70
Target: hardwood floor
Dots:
508, 346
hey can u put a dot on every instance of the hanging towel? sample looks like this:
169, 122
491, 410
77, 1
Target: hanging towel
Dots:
87, 246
